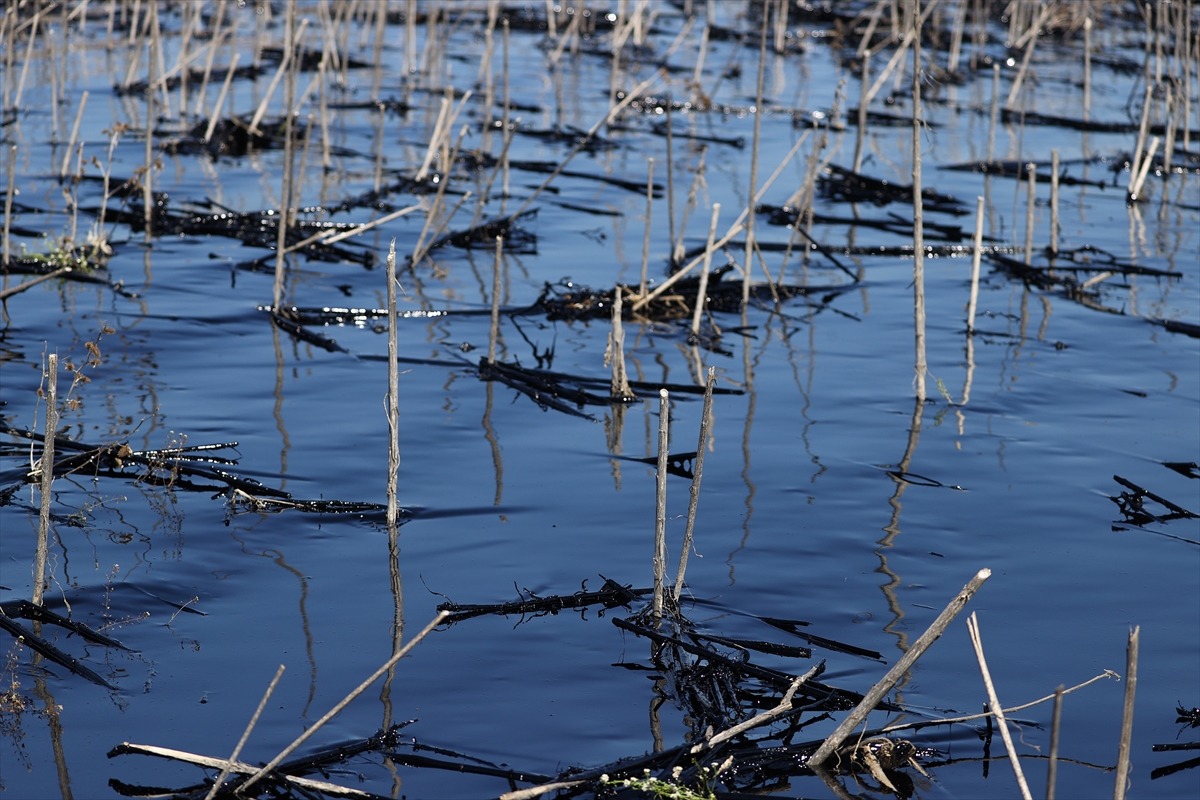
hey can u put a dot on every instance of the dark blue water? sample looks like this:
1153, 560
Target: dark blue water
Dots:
799, 517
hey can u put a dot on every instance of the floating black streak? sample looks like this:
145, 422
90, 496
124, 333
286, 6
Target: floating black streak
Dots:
49, 651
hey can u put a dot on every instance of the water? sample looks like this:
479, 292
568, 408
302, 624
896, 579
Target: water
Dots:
799, 517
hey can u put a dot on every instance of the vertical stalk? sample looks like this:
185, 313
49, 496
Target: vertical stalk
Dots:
8, 201
47, 479
758, 114
495, 330
991, 151
1030, 202
660, 506
285, 195
646, 237
862, 111
393, 397
702, 292
1053, 203
1055, 726
1131, 660
697, 472
976, 256
1087, 67
675, 258
147, 179
918, 210
62, 173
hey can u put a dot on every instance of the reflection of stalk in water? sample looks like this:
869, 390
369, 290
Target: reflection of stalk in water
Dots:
51, 711
751, 489
614, 430
385, 694
278, 410
893, 530
490, 433
308, 637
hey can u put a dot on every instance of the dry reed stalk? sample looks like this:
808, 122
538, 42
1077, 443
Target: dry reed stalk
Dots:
1169, 111
160, 62
646, 236
702, 292
991, 151
697, 473
873, 697
733, 230
861, 133
1143, 129
619, 389
393, 397
660, 501
183, 63
903, 726
54, 90
242, 768
7, 34
876, 14
289, 152
47, 478
245, 734
25, 64
976, 256
918, 211
977, 643
62, 173
494, 330
697, 92
758, 114
298, 181
337, 709
1055, 728
148, 177
1054, 202
758, 720
215, 38
504, 157
20, 287
587, 137
898, 56
1030, 203
333, 237
423, 244
8, 202
326, 163
1030, 35
216, 112
1087, 68
690, 204
956, 37
1131, 663
410, 38
434, 139
670, 184
487, 189
377, 54
1135, 190
284, 66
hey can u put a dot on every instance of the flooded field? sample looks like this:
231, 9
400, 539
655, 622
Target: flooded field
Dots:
201, 199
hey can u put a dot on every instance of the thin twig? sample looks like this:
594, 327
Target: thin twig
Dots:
785, 705
902, 666
333, 712
977, 643
245, 734
697, 472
